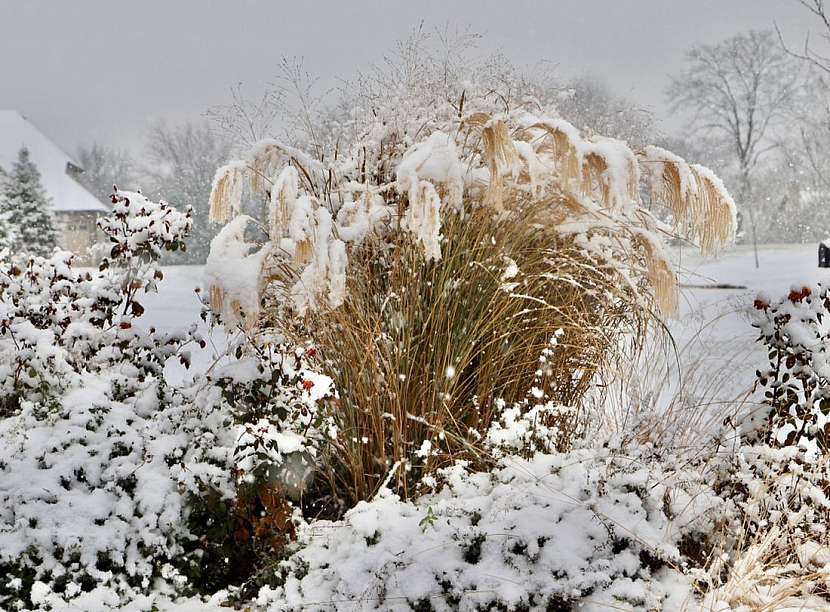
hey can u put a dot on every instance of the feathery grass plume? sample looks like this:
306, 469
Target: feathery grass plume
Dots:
671, 181
718, 218
268, 157
303, 229
216, 296
265, 158
502, 159
234, 274
533, 173
659, 272
700, 203
594, 170
283, 197
435, 160
226, 192
423, 217
610, 172
558, 141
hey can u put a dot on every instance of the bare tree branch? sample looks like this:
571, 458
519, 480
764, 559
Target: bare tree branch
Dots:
739, 90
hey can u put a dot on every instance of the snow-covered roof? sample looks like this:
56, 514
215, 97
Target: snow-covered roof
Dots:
66, 193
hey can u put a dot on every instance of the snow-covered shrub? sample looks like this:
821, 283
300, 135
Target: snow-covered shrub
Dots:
140, 231
274, 399
778, 476
777, 559
796, 333
263, 433
57, 322
776, 486
588, 530
95, 447
88, 490
542, 428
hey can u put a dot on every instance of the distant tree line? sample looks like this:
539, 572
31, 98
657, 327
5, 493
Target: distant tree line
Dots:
759, 115
178, 162
176, 165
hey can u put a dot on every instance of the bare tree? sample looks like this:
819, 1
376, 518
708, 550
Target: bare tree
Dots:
244, 120
807, 142
739, 89
103, 167
809, 53
589, 104
181, 162
811, 120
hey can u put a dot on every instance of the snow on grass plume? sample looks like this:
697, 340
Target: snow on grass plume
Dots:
519, 153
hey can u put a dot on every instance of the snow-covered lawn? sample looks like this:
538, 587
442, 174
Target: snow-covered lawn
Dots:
177, 306
781, 266
713, 332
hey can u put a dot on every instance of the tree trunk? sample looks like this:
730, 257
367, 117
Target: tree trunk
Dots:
753, 229
753, 223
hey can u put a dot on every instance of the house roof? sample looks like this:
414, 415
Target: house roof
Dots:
66, 193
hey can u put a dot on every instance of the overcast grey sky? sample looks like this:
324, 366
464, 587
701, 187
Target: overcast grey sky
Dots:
87, 70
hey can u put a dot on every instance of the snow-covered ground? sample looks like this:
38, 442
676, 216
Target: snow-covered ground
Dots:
714, 336
717, 319
780, 266
176, 306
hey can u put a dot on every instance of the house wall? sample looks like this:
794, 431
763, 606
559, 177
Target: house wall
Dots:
78, 233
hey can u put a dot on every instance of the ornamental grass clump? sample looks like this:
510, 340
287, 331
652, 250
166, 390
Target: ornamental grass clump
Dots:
425, 350
469, 256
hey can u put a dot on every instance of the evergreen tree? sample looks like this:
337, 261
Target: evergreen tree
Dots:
6, 231
7, 235
26, 208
